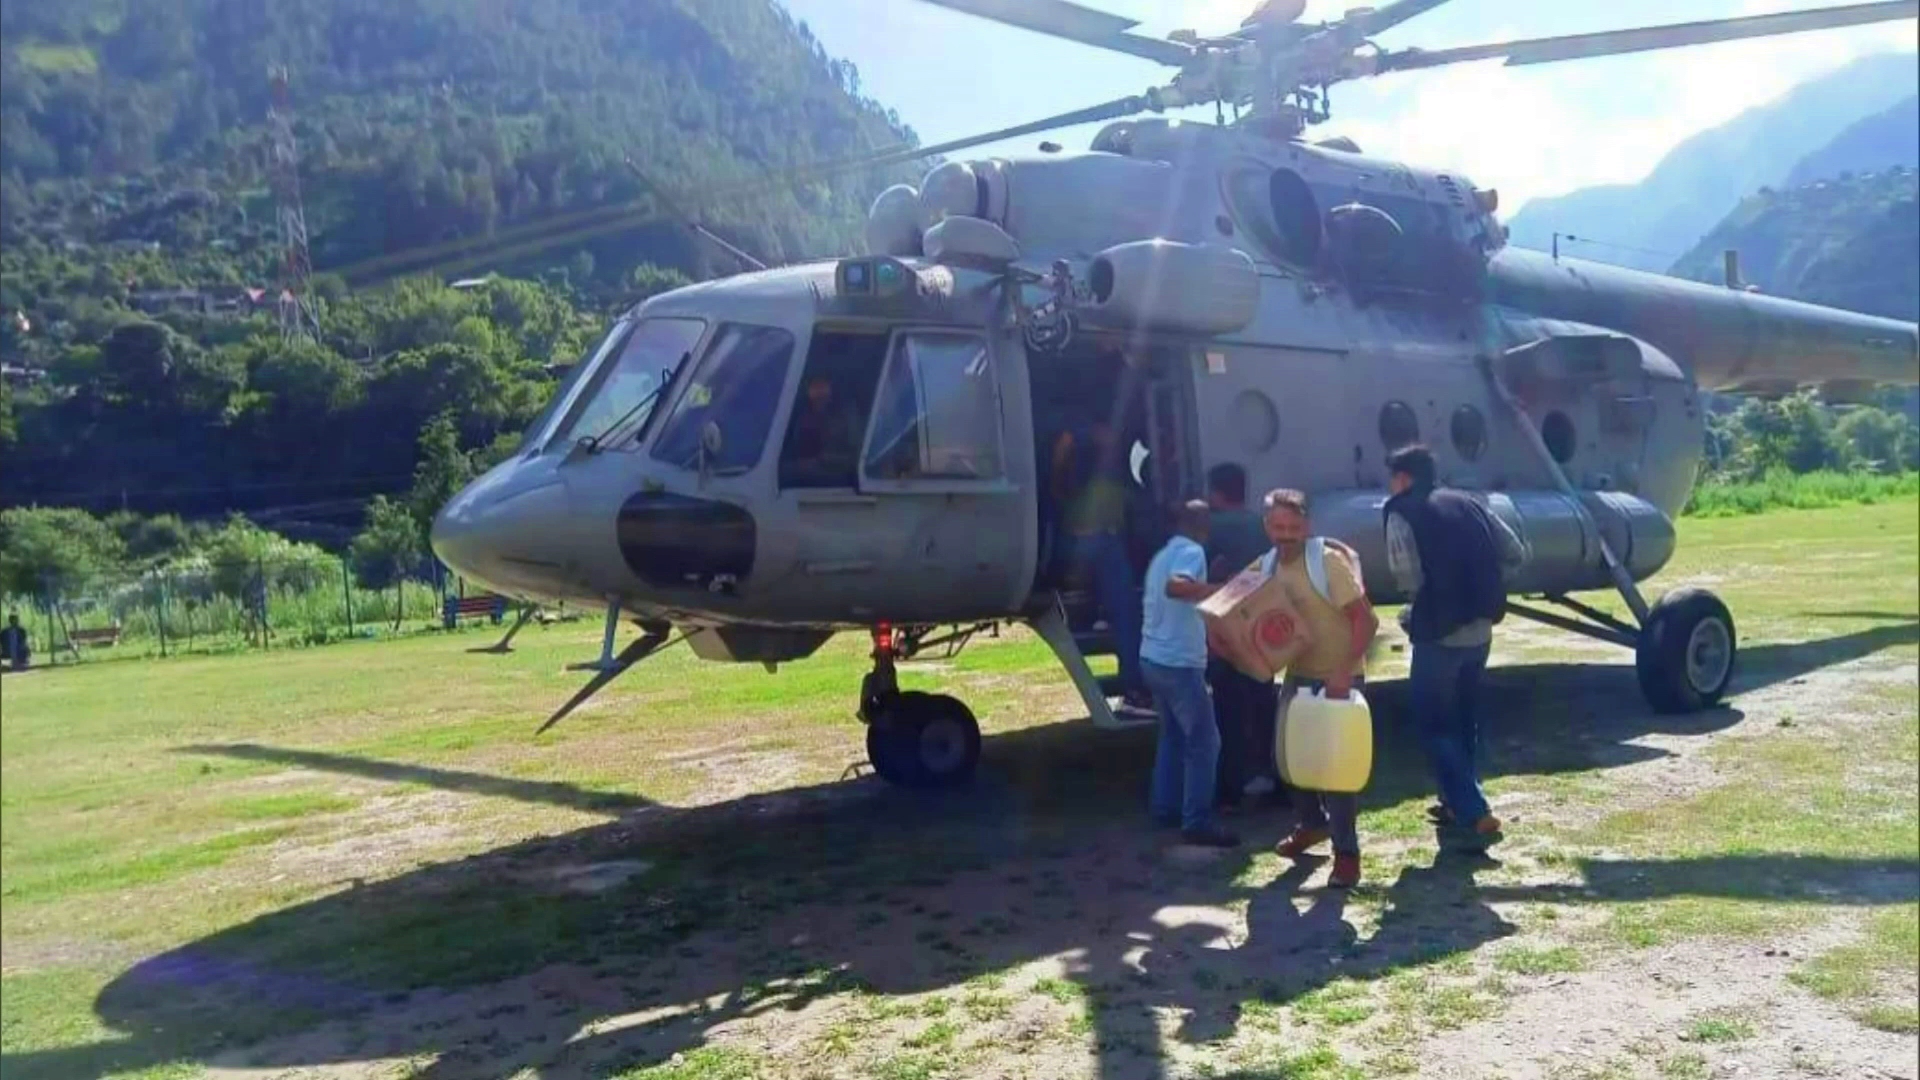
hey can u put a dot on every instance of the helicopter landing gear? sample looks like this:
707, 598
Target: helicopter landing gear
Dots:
1683, 651
914, 739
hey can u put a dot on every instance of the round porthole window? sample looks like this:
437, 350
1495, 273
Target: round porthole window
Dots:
1399, 426
1469, 431
1557, 432
1256, 423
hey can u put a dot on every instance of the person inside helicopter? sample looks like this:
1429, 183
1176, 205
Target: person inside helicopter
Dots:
829, 419
823, 444
1092, 496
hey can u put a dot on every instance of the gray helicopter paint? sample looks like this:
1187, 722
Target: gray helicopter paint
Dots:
1726, 336
1317, 360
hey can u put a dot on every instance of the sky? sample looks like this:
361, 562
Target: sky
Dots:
1529, 131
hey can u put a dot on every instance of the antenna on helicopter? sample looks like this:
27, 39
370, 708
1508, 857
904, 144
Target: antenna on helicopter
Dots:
666, 203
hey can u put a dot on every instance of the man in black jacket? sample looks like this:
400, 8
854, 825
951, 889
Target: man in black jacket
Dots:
1450, 556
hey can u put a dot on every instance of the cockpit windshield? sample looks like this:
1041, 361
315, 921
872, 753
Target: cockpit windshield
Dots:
629, 377
530, 439
736, 392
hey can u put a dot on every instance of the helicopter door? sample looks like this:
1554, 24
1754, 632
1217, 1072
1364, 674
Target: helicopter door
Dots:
1171, 476
944, 458
1163, 458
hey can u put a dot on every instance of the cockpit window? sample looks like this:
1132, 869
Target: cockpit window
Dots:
737, 390
624, 386
531, 439
938, 413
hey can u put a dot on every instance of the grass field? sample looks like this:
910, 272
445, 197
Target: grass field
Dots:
357, 861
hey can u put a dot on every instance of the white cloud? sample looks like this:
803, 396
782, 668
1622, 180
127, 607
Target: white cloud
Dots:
1535, 131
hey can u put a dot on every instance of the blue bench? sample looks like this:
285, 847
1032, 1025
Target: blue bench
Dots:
469, 607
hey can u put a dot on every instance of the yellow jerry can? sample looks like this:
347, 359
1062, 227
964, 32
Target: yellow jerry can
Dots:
1325, 744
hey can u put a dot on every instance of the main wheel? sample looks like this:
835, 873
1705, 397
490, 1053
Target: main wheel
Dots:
1686, 651
922, 740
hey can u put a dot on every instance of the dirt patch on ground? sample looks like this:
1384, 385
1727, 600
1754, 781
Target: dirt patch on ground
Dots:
383, 834
1701, 1008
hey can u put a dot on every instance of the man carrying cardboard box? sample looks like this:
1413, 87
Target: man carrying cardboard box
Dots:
1321, 579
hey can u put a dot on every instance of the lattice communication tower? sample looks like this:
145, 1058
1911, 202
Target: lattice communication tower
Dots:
283, 176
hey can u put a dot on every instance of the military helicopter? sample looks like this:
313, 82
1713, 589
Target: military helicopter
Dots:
1225, 292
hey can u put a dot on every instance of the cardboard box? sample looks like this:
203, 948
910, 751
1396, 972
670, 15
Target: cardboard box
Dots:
1253, 626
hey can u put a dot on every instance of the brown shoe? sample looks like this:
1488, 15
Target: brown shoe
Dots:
1346, 872
1487, 826
1300, 841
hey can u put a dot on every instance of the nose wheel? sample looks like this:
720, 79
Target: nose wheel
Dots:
924, 741
915, 739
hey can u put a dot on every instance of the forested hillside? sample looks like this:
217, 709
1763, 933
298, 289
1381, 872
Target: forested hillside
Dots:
1879, 142
1851, 242
421, 121
139, 250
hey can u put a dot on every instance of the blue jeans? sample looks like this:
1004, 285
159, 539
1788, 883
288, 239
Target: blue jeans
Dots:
1103, 557
1445, 688
1189, 746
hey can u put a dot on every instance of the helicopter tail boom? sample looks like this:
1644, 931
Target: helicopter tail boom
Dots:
1729, 340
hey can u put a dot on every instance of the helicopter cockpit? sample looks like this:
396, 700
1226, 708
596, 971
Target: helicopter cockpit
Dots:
760, 450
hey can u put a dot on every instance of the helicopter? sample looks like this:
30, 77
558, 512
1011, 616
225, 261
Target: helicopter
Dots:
1212, 293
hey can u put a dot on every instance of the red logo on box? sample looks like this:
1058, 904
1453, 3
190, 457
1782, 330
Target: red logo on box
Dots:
1274, 630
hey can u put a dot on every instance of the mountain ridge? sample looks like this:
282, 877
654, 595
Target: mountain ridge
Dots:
1703, 178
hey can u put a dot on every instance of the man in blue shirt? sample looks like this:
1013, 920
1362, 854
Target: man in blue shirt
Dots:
1173, 661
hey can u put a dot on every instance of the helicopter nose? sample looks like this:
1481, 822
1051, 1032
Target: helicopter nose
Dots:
490, 531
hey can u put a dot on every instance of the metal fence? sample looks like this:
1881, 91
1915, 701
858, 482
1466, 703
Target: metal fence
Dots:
200, 606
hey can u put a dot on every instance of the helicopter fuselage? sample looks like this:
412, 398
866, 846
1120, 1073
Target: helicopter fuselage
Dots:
661, 476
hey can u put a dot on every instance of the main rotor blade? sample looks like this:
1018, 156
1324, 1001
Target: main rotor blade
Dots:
1072, 22
1112, 110
1380, 20
1643, 39
641, 648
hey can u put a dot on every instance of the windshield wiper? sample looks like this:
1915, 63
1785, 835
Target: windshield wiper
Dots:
596, 442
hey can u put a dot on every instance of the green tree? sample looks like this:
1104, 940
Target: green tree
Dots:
1879, 439
153, 539
385, 548
57, 551
245, 559
443, 469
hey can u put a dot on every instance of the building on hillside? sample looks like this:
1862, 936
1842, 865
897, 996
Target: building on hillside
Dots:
156, 301
20, 376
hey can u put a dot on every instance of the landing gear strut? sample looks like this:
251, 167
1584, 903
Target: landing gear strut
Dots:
1683, 651
914, 739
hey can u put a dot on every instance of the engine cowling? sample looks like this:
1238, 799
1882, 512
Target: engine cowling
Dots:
1166, 285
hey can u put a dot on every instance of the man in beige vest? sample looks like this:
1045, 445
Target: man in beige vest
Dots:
1322, 581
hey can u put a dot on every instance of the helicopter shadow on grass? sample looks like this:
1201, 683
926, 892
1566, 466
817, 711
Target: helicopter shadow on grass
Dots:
764, 904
